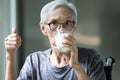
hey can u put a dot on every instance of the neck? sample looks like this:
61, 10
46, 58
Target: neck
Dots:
58, 59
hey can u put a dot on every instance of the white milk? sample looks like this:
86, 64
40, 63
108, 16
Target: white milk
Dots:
59, 37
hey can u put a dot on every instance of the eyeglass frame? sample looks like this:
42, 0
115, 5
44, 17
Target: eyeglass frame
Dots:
72, 23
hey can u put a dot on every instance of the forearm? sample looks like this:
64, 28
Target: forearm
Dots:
12, 43
81, 75
10, 70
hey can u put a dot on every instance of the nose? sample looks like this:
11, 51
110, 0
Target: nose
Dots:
61, 26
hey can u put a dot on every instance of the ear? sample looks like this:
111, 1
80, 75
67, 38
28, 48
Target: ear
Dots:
43, 29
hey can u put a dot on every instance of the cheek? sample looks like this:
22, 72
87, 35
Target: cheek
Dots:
51, 36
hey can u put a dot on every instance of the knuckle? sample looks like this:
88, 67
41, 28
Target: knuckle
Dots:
15, 39
16, 35
5, 42
15, 43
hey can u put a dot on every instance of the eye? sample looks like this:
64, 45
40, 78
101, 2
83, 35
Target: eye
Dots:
70, 23
54, 23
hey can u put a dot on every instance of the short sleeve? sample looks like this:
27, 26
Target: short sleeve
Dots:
26, 71
96, 67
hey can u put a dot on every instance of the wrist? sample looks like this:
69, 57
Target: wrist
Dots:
76, 67
9, 57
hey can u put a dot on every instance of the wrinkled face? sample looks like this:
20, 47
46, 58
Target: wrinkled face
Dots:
60, 15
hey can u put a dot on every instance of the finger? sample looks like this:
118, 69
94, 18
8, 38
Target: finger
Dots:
12, 35
12, 44
72, 45
70, 38
68, 42
14, 30
13, 40
66, 57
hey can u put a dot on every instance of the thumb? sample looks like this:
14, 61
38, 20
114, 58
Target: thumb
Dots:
14, 30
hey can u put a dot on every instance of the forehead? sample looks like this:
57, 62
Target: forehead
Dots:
60, 14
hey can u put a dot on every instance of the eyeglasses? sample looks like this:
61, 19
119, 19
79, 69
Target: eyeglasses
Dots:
69, 25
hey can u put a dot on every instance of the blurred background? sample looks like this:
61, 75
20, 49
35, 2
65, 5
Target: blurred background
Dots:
98, 27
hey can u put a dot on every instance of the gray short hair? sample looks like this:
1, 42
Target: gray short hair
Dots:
55, 4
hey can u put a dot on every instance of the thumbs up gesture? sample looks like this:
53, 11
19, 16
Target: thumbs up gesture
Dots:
14, 30
12, 42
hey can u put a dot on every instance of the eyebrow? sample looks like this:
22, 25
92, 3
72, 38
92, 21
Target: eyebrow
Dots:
55, 20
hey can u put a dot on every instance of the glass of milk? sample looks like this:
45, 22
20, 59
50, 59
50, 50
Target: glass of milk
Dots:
59, 37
